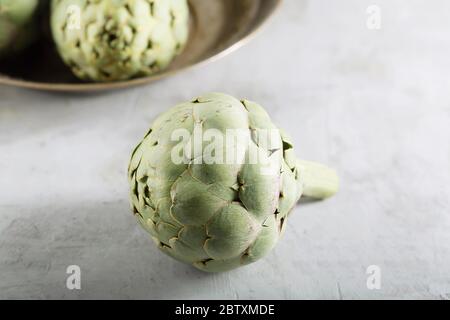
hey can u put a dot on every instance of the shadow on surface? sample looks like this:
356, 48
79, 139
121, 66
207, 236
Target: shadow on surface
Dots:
117, 258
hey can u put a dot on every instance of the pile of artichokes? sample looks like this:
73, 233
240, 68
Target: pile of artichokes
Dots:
103, 40
218, 216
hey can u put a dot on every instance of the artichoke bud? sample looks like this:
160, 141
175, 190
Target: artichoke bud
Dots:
214, 180
18, 25
123, 34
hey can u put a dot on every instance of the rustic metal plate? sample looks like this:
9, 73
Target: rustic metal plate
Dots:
217, 28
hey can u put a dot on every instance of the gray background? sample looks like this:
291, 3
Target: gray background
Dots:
373, 104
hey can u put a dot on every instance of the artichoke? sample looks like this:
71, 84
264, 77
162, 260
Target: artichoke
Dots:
17, 25
113, 40
215, 207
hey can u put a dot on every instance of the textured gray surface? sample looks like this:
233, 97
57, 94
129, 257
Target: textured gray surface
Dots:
374, 104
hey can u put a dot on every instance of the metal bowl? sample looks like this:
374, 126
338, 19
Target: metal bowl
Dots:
218, 27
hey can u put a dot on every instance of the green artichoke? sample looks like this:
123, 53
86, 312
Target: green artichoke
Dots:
111, 40
218, 209
17, 25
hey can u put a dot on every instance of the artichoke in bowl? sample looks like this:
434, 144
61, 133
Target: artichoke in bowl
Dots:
113, 40
214, 180
17, 25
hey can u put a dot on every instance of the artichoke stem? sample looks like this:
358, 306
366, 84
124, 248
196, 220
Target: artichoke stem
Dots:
319, 181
